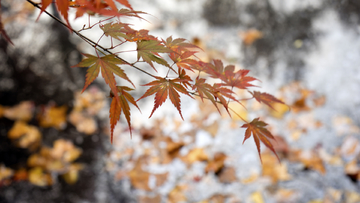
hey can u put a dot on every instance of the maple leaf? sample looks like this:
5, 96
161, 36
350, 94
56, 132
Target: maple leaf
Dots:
229, 76
205, 90
260, 133
164, 88
108, 67
266, 98
220, 93
115, 30
122, 106
149, 51
61, 5
178, 44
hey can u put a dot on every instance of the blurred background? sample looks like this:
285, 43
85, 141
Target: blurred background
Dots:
55, 144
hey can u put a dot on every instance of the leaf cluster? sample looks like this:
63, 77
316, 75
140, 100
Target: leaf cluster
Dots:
176, 56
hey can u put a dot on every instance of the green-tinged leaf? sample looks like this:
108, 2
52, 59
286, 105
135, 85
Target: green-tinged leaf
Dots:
108, 67
115, 30
162, 88
122, 106
149, 51
265, 98
260, 133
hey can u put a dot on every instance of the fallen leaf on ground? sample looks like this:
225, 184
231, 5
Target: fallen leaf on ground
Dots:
176, 195
138, 177
5, 172
227, 175
312, 160
216, 164
196, 154
72, 175
25, 136
23, 111
256, 197
272, 168
38, 177
53, 116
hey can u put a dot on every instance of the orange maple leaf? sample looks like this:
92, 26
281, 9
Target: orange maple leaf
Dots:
260, 133
116, 107
162, 88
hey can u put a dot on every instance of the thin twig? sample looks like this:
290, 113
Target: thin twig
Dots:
89, 41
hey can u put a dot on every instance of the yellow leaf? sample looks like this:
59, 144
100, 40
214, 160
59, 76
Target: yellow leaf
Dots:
272, 168
53, 117
196, 154
38, 177
177, 195
72, 175
256, 197
24, 135
280, 110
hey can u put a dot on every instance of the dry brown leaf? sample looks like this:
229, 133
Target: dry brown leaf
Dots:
138, 177
216, 164
38, 177
25, 136
23, 111
194, 155
53, 116
227, 175
250, 36
272, 168
312, 160
177, 194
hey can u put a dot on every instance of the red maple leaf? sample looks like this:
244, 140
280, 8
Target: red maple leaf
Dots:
61, 5
260, 133
122, 106
164, 88
265, 98
205, 90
